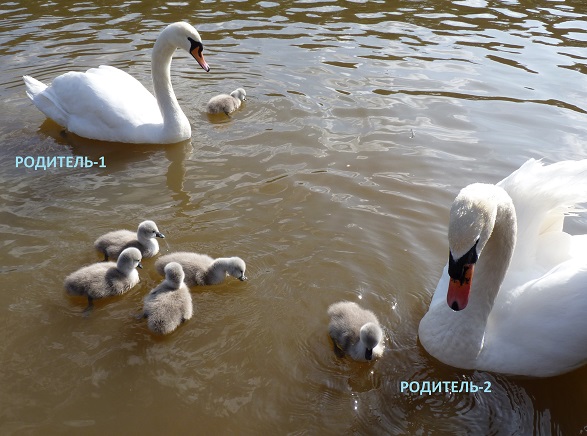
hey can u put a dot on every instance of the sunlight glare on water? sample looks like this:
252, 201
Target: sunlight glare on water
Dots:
333, 181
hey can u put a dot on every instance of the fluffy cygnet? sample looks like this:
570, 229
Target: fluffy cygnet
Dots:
201, 269
106, 279
355, 331
112, 243
170, 303
227, 103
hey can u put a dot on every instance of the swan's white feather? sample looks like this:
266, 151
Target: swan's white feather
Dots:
108, 104
538, 324
102, 103
539, 327
543, 195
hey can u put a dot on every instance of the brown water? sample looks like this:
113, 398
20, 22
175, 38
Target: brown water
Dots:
332, 182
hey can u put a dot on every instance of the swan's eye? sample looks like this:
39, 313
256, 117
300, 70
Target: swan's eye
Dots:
458, 267
195, 45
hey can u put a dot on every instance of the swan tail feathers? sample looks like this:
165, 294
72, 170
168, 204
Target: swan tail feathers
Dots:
33, 86
44, 99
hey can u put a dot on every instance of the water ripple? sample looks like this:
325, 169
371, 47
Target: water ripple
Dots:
333, 181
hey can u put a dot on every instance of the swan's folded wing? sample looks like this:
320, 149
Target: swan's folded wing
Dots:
543, 195
541, 325
104, 98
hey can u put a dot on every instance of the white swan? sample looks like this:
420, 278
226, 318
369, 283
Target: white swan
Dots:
226, 103
108, 104
513, 297
355, 331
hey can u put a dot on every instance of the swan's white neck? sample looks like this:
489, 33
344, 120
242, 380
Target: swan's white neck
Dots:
463, 332
174, 120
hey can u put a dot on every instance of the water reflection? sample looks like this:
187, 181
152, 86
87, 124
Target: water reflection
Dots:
333, 182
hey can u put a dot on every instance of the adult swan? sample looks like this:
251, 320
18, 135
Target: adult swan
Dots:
513, 297
108, 104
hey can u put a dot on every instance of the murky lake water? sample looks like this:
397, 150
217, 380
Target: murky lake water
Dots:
333, 182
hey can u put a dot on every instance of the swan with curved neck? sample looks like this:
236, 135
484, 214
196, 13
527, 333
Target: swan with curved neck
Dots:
108, 104
513, 296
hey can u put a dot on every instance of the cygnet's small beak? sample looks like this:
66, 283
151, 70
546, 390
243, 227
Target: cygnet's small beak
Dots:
369, 353
140, 265
159, 235
242, 278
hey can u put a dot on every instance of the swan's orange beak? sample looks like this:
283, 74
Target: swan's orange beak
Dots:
198, 56
196, 49
458, 289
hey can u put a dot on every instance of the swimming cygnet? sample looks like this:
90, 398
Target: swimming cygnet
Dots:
355, 331
170, 303
105, 279
112, 243
227, 103
201, 269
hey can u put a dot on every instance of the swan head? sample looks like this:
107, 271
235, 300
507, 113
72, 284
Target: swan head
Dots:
183, 35
148, 230
472, 218
239, 93
174, 273
237, 268
129, 259
370, 335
